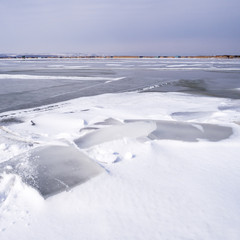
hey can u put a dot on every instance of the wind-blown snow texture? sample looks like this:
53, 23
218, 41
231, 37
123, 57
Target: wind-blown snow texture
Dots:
154, 187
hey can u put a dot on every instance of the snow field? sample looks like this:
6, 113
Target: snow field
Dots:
152, 189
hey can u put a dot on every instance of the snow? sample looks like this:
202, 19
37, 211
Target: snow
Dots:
23, 76
152, 188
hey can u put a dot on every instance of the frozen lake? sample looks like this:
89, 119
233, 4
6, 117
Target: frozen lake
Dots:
32, 83
155, 158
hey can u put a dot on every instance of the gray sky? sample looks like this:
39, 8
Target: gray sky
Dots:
141, 27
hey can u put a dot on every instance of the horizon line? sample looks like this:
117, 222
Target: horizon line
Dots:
81, 55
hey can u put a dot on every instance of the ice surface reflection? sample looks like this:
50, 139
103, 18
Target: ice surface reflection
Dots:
28, 83
52, 169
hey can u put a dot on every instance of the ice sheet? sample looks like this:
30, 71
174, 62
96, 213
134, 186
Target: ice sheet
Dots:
52, 169
188, 132
154, 129
130, 130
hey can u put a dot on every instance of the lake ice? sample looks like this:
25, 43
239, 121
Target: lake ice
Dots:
163, 133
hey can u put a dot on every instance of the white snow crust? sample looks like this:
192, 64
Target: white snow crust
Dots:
23, 76
151, 189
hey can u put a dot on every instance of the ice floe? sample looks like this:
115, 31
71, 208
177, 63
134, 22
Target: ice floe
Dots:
52, 169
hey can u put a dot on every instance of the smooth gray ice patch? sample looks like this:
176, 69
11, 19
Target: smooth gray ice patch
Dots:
109, 121
110, 133
10, 120
232, 107
183, 116
189, 132
52, 169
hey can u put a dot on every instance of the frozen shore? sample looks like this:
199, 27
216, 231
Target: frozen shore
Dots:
154, 184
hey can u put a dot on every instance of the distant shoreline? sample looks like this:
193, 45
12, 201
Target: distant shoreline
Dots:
40, 56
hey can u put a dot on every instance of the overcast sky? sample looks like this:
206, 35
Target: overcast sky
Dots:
138, 27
